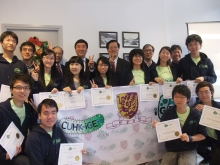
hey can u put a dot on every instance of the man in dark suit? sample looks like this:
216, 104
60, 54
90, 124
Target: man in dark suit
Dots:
148, 54
81, 47
59, 56
118, 64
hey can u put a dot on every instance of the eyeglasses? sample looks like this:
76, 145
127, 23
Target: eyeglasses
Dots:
205, 92
19, 88
179, 97
148, 50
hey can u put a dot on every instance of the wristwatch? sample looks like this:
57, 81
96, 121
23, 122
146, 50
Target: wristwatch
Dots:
190, 138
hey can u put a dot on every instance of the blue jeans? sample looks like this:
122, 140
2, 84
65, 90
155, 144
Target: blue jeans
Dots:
179, 158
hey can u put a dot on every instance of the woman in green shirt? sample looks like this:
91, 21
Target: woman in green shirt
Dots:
136, 73
164, 72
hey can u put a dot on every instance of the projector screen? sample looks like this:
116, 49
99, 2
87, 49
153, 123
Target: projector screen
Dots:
210, 34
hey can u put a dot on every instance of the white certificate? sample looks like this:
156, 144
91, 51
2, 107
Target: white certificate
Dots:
167, 89
210, 117
192, 86
11, 138
5, 93
74, 100
149, 92
102, 96
57, 97
168, 130
70, 154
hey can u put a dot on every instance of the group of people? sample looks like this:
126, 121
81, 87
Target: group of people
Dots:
28, 76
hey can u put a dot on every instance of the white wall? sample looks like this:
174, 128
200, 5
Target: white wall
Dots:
178, 12
160, 22
84, 19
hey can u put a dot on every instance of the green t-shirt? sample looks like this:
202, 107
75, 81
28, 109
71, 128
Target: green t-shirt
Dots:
165, 73
138, 77
47, 78
50, 133
19, 111
211, 133
196, 60
105, 80
183, 116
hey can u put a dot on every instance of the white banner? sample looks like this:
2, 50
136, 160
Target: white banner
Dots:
118, 134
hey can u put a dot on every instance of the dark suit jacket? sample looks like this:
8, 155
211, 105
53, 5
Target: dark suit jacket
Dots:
121, 66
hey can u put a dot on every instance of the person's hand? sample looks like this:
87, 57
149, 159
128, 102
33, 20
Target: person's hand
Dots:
31, 102
50, 46
91, 62
199, 79
54, 90
184, 137
67, 89
154, 123
199, 107
83, 151
179, 80
151, 83
108, 86
132, 82
93, 85
79, 89
36, 67
159, 80
34, 75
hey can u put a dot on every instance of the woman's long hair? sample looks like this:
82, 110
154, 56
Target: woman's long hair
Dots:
169, 50
69, 76
104, 60
53, 69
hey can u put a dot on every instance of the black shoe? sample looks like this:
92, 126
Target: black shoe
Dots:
204, 162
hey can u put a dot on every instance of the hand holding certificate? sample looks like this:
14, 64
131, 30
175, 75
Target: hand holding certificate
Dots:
102, 96
210, 117
168, 130
70, 153
11, 139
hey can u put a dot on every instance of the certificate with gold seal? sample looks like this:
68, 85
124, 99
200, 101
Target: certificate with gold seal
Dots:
102, 96
149, 92
74, 100
168, 130
11, 138
57, 97
70, 154
210, 117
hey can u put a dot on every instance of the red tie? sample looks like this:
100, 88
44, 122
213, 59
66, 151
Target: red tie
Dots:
59, 70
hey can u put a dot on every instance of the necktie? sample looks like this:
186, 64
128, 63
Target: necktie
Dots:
113, 67
59, 70
84, 63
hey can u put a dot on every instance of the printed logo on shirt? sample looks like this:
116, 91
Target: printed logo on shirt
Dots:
203, 66
56, 141
17, 70
55, 84
191, 122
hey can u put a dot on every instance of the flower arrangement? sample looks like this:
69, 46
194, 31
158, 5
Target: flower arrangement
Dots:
39, 45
